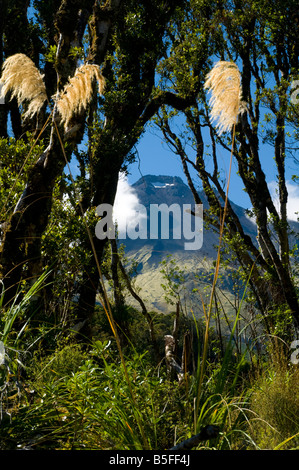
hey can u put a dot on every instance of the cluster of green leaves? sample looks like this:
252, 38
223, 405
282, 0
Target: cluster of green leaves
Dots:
16, 160
63, 243
175, 279
18, 343
82, 401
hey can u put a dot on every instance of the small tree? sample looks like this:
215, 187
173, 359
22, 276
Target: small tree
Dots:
262, 39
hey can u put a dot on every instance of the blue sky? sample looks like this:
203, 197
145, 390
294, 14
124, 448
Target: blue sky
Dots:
154, 157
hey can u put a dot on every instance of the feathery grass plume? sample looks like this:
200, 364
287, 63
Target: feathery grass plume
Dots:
78, 91
224, 82
21, 77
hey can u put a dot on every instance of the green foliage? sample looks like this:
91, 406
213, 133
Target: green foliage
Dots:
64, 361
18, 343
275, 402
64, 247
83, 402
77, 397
50, 56
16, 160
174, 280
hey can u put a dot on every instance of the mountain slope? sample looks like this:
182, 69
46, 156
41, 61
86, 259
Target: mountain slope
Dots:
149, 253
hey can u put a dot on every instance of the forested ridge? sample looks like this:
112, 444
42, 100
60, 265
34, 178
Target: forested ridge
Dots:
80, 368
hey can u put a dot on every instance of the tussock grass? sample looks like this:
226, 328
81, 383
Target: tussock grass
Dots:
22, 79
78, 92
275, 401
224, 82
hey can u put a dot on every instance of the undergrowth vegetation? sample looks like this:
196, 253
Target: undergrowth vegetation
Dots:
64, 393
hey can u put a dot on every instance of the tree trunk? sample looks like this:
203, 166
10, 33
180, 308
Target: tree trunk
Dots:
20, 251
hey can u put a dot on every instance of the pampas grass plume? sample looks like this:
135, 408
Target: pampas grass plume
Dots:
224, 82
78, 92
21, 77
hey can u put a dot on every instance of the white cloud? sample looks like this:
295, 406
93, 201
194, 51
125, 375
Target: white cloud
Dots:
293, 199
293, 203
126, 204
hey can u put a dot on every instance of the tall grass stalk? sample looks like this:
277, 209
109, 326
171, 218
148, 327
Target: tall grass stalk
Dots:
283, 443
227, 355
224, 82
18, 307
